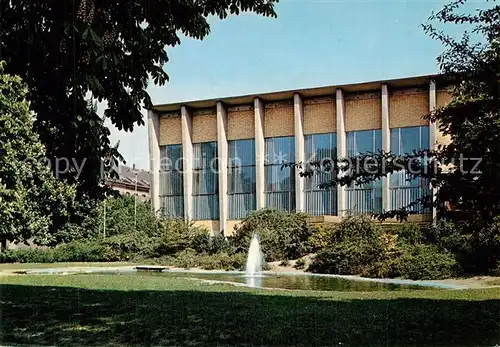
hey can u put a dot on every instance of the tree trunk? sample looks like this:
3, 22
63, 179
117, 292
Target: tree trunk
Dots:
4, 245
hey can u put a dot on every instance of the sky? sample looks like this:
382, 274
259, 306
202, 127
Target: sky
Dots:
310, 44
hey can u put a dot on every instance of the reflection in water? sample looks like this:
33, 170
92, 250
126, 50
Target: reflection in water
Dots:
254, 281
300, 282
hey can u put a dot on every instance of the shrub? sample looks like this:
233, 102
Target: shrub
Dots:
285, 262
122, 217
222, 261
218, 261
346, 258
185, 259
27, 255
127, 246
354, 247
357, 228
425, 262
476, 246
300, 263
177, 235
322, 236
408, 234
283, 235
79, 251
211, 244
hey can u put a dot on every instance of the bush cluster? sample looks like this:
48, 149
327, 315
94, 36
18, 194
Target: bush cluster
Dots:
476, 246
356, 246
75, 251
359, 246
352, 247
217, 261
283, 235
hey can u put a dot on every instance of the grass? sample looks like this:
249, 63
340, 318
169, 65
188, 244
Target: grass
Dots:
148, 309
22, 266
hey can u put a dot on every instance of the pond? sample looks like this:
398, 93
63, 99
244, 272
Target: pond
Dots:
294, 281
269, 280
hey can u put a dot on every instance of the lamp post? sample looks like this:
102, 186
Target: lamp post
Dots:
104, 220
135, 199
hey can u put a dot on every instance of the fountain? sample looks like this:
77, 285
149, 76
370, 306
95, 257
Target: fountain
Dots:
253, 269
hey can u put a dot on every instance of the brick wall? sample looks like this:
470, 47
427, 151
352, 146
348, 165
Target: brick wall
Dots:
211, 225
443, 97
204, 125
363, 111
407, 108
278, 119
230, 227
320, 115
240, 122
170, 130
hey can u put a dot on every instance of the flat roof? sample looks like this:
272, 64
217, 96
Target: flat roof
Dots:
406, 82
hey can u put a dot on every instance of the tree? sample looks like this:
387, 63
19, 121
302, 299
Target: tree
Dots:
66, 49
465, 172
31, 198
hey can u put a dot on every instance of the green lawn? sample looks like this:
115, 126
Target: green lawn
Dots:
148, 309
21, 266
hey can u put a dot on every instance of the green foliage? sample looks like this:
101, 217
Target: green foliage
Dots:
300, 263
346, 258
188, 258
322, 236
122, 218
425, 262
408, 233
476, 248
127, 246
204, 243
283, 235
355, 245
109, 49
358, 228
465, 171
32, 200
222, 260
285, 262
359, 247
76, 251
177, 235
27, 255
79, 251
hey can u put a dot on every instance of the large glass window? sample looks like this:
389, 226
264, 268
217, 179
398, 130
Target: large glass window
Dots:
364, 198
205, 181
171, 182
241, 178
280, 182
320, 147
404, 189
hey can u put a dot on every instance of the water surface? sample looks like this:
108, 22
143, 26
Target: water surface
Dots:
297, 282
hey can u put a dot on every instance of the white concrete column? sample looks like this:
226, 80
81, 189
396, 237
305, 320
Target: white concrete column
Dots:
386, 146
298, 111
154, 158
432, 136
341, 149
259, 154
432, 107
187, 154
222, 153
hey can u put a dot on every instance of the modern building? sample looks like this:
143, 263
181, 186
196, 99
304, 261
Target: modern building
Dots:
253, 135
132, 182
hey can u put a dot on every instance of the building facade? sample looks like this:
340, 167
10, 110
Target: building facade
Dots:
214, 161
131, 182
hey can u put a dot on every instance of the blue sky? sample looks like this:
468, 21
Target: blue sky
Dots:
311, 43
